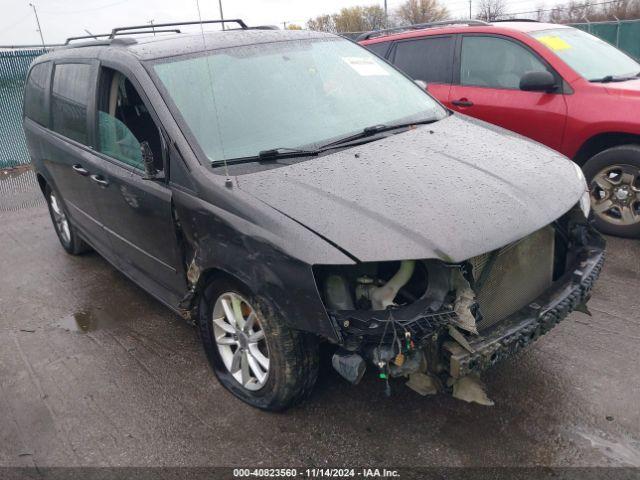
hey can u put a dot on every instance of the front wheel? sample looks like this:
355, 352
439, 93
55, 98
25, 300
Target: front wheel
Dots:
253, 353
614, 183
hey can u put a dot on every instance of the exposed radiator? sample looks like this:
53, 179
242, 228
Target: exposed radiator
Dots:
519, 273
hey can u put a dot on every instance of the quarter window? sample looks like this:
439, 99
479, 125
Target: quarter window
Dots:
495, 62
428, 59
69, 99
379, 49
35, 107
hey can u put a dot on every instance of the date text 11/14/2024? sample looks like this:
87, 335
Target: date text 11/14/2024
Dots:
315, 473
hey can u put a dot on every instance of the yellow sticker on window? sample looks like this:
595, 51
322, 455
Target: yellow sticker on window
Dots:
554, 43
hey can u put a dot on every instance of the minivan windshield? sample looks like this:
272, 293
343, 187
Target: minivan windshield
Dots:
242, 100
592, 58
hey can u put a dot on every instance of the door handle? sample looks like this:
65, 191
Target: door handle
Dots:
80, 170
99, 179
463, 102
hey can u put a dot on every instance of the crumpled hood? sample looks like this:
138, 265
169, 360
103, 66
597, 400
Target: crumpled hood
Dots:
450, 190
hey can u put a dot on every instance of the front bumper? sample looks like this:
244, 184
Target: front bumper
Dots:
528, 324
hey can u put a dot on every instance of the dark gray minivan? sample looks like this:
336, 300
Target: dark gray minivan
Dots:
281, 188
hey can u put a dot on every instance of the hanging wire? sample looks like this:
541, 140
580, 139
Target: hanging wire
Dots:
228, 181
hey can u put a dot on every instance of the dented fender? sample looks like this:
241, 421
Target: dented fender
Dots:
258, 251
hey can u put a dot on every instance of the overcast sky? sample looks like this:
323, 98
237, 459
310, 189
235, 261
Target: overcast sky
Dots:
64, 18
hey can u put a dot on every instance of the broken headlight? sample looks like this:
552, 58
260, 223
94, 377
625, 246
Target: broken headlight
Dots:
585, 199
585, 203
379, 286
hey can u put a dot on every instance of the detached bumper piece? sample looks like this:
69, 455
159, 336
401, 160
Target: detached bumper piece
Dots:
528, 324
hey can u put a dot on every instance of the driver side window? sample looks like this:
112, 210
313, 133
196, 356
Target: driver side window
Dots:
495, 62
125, 127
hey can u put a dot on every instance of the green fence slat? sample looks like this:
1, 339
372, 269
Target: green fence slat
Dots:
624, 34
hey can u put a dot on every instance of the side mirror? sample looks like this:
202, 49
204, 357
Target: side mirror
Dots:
422, 84
540, 81
148, 161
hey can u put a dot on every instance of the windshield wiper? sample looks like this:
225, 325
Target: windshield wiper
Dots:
351, 140
611, 78
268, 155
376, 129
283, 152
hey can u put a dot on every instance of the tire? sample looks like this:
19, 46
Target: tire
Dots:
67, 234
610, 173
292, 355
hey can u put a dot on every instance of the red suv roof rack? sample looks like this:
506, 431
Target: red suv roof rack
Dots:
420, 26
504, 20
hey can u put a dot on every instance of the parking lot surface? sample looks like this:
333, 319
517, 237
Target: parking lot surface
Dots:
95, 372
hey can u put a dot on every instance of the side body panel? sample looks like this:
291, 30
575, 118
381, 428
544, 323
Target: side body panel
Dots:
597, 109
135, 212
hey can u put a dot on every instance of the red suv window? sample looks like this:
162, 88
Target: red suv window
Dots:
429, 59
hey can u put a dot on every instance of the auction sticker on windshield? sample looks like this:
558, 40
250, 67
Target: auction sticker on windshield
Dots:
365, 66
554, 43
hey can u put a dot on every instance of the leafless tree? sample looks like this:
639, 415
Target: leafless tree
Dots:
322, 23
351, 19
421, 11
541, 13
595, 11
490, 10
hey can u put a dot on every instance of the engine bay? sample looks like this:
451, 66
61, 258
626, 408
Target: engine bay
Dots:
420, 319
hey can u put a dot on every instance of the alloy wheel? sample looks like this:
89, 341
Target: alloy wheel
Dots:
615, 194
60, 219
240, 340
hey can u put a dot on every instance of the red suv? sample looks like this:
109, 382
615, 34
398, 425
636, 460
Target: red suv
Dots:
555, 84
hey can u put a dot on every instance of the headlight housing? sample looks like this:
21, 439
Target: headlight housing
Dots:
585, 199
585, 203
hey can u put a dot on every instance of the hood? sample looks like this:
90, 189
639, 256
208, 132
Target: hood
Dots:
451, 190
630, 87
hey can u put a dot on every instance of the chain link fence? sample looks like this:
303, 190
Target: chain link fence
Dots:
18, 187
14, 65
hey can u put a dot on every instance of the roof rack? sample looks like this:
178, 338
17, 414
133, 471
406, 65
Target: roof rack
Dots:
109, 35
116, 31
515, 20
420, 26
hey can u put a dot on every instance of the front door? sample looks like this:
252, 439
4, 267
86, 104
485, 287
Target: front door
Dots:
490, 70
135, 210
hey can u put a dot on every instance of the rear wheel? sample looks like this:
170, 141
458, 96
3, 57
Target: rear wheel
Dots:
253, 353
67, 234
614, 183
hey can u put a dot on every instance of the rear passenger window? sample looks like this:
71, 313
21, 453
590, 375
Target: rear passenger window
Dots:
428, 59
495, 62
379, 49
72, 83
35, 107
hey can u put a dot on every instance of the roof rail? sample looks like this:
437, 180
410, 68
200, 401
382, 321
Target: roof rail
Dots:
117, 30
110, 35
516, 20
420, 26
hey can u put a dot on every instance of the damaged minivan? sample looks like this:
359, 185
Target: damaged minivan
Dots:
279, 189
